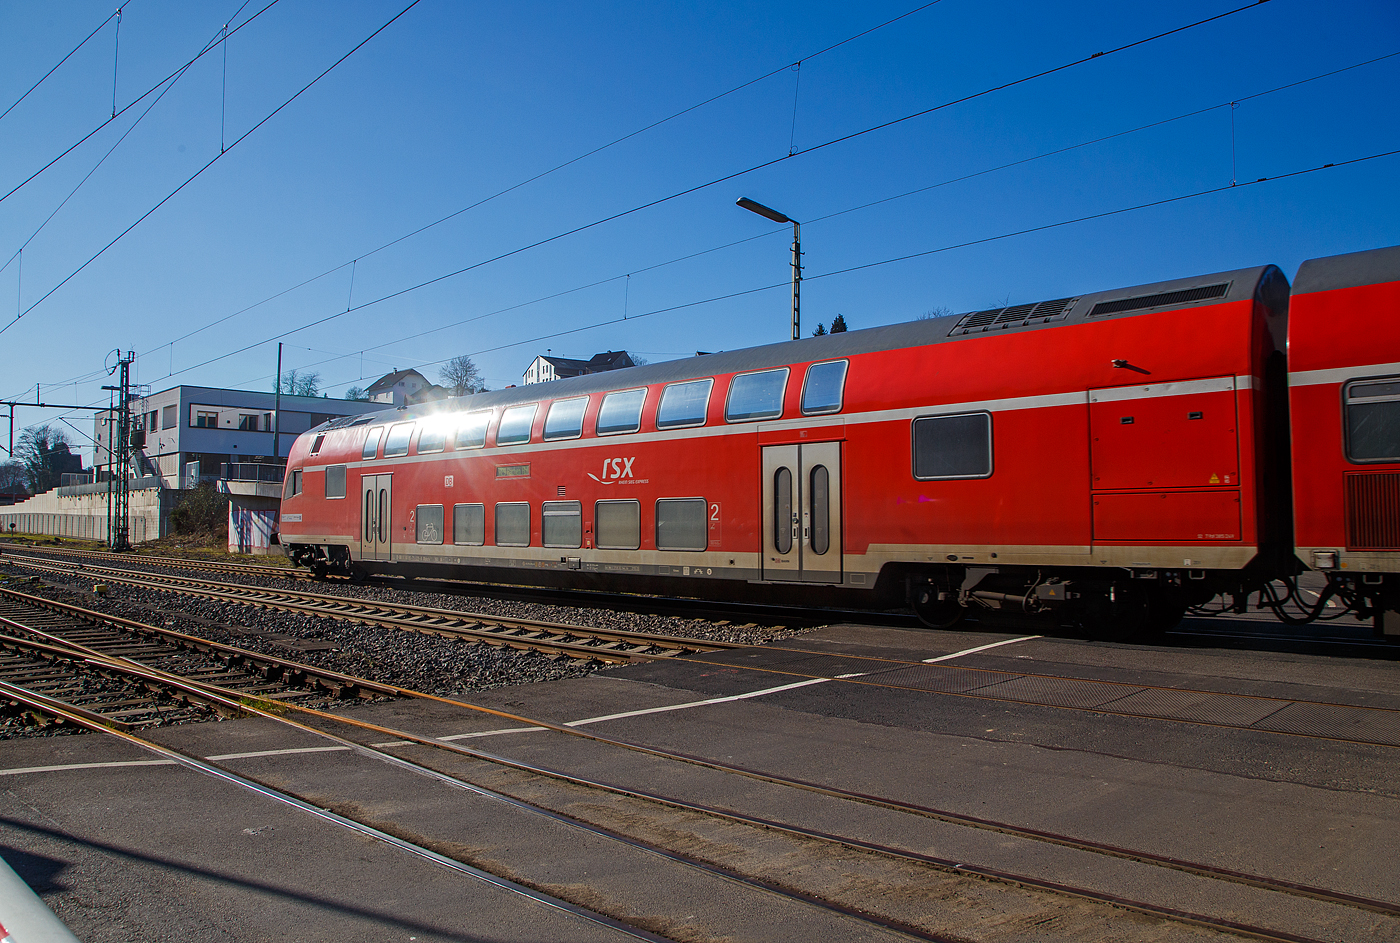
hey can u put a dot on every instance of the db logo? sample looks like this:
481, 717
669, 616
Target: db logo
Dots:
614, 469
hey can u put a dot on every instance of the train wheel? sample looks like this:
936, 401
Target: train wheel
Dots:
319, 569
936, 613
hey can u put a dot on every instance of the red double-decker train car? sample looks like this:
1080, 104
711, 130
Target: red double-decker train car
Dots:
1112, 458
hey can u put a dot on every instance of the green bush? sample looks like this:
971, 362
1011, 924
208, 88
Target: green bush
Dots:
201, 510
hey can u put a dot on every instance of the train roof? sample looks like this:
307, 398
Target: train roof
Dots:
1267, 283
1335, 272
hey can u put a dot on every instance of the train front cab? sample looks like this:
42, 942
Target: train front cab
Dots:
1344, 416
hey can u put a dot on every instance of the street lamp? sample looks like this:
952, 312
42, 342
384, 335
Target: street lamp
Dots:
775, 216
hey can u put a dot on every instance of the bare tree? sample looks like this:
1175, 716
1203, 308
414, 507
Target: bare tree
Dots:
942, 311
357, 393
295, 383
44, 452
461, 376
14, 478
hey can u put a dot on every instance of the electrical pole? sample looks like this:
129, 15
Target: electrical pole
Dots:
118, 530
767, 212
277, 409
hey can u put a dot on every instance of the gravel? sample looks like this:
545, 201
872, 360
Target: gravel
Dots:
428, 663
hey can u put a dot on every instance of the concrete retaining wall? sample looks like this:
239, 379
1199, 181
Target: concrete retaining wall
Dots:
85, 515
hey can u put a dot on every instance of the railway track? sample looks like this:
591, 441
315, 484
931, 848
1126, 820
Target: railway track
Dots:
120, 648
611, 646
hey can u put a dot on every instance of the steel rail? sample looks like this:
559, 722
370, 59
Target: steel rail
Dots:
82, 718
1291, 888
445, 622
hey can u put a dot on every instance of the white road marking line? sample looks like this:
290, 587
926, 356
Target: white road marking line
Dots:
491, 733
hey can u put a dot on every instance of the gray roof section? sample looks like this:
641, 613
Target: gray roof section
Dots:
1372, 267
1265, 282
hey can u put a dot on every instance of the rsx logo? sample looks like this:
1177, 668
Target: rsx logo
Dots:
614, 469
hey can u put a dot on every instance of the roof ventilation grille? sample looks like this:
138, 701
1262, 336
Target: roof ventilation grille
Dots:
1161, 299
998, 319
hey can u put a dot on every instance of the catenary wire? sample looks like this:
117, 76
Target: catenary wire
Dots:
702, 186
642, 130
60, 63
134, 103
211, 163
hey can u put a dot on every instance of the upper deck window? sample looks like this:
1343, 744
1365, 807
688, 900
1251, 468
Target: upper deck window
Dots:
684, 404
824, 387
515, 425
371, 448
1373, 420
565, 418
434, 436
396, 443
471, 430
621, 412
756, 396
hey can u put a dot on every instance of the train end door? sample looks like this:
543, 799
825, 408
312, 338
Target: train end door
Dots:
376, 517
802, 536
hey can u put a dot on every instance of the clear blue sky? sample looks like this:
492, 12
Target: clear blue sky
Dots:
455, 102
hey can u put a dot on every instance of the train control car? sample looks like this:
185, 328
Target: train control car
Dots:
1344, 398
1109, 457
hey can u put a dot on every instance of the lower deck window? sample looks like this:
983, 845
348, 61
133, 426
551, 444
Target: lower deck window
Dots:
617, 525
469, 524
563, 524
682, 524
1373, 420
429, 519
335, 481
953, 446
513, 525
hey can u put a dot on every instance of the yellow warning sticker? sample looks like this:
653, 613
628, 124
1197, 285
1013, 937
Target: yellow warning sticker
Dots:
1215, 479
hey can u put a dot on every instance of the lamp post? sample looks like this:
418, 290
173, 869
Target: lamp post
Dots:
775, 216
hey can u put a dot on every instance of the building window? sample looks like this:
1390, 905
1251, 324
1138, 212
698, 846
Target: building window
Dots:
469, 524
247, 422
823, 388
953, 446
565, 418
203, 420
756, 396
621, 412
335, 481
682, 524
168, 417
617, 525
684, 404
513, 524
515, 425
428, 518
1373, 420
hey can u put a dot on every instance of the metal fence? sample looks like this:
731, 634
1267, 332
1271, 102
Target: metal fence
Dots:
251, 471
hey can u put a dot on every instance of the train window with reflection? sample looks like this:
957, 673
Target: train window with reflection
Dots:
823, 389
562, 524
621, 412
1373, 420
436, 431
682, 524
471, 430
396, 442
684, 404
565, 418
958, 446
515, 425
335, 481
469, 524
429, 521
371, 448
292, 485
617, 525
513, 524
756, 396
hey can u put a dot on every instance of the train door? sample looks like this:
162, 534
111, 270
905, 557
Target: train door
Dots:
802, 512
376, 531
